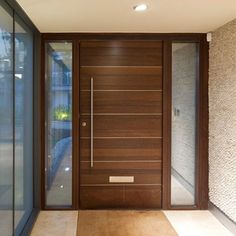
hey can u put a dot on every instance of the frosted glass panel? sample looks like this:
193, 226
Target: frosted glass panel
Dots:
58, 157
183, 157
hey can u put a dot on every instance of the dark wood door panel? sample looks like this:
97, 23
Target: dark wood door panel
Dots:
120, 53
143, 172
140, 166
96, 197
122, 149
140, 197
122, 102
101, 177
121, 78
122, 44
123, 126
143, 196
127, 124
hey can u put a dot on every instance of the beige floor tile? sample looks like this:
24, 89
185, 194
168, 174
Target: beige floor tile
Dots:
5, 222
196, 223
56, 223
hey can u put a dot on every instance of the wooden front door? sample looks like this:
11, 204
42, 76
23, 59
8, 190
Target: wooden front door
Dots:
120, 124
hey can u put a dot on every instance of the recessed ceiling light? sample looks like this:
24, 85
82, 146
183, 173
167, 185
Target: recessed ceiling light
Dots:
140, 7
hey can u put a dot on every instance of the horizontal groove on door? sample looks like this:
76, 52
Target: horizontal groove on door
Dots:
103, 137
125, 161
123, 126
122, 102
122, 114
118, 184
95, 197
147, 67
120, 90
125, 78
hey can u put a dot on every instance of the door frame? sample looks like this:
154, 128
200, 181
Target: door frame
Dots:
201, 111
201, 150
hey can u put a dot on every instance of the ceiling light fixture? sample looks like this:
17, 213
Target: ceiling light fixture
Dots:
140, 7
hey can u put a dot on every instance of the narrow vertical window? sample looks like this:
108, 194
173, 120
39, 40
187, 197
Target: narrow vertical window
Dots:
185, 67
6, 120
23, 124
58, 102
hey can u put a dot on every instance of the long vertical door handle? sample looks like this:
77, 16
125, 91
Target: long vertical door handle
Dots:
91, 123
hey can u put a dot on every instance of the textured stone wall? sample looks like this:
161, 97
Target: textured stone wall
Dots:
222, 119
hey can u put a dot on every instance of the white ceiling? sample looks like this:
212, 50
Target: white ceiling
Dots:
163, 16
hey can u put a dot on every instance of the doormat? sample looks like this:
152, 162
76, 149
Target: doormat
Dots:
123, 223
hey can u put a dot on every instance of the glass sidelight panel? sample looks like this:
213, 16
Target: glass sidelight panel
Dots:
185, 67
23, 124
58, 155
16, 122
6, 121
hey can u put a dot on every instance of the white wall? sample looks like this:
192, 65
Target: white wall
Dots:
222, 119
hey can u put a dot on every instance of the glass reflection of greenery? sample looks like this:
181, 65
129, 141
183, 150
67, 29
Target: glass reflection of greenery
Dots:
62, 113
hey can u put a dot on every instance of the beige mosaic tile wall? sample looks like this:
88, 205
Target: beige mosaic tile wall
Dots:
222, 119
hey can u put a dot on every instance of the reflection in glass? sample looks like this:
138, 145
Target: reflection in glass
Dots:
183, 157
6, 121
58, 159
23, 125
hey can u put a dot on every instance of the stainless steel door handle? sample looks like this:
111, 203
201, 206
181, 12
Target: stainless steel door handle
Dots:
91, 120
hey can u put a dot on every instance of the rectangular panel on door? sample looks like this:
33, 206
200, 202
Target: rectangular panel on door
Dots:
126, 101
